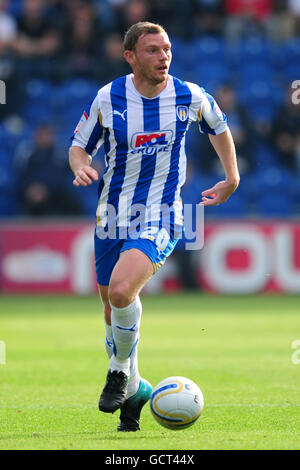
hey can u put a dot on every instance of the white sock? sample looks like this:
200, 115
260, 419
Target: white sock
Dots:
134, 378
108, 340
125, 335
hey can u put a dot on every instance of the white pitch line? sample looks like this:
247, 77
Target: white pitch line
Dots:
212, 405
254, 405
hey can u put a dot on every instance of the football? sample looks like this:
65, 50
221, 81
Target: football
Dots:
176, 402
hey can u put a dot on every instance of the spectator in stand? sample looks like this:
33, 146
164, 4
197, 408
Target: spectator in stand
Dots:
285, 21
8, 27
241, 132
58, 12
209, 17
286, 133
38, 40
294, 9
178, 15
132, 12
8, 34
259, 9
113, 64
42, 175
247, 18
82, 41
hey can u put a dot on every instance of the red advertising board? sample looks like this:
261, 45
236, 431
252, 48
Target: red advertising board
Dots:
237, 258
47, 257
248, 257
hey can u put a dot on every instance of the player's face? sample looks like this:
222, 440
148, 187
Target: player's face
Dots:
152, 57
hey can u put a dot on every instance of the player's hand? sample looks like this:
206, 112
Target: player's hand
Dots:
218, 193
85, 175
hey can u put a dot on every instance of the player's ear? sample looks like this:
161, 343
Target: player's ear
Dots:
129, 56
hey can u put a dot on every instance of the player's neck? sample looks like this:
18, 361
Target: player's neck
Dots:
148, 89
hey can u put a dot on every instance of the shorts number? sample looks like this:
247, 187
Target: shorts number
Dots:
161, 237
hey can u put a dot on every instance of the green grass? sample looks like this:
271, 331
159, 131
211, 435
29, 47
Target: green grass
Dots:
237, 349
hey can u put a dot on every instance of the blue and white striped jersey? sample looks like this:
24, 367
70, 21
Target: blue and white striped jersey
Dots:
144, 140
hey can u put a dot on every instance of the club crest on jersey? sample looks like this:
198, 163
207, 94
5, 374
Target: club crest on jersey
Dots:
149, 142
182, 112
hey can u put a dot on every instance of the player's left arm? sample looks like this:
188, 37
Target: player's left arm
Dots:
220, 192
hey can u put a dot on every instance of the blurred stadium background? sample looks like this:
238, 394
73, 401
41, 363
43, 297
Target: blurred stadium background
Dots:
55, 54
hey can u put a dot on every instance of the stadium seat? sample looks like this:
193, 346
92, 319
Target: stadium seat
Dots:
6, 162
279, 205
88, 199
185, 52
8, 204
273, 178
177, 70
79, 90
248, 187
291, 71
4, 142
291, 59
38, 101
8, 187
210, 50
254, 51
235, 207
262, 97
295, 188
265, 155
250, 73
16, 7
291, 51
75, 95
274, 197
213, 76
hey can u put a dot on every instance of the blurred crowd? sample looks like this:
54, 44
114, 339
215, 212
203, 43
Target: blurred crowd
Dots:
55, 54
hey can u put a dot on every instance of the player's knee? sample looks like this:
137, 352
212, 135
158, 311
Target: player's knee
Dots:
119, 294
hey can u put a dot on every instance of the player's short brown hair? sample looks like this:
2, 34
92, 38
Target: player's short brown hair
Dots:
136, 30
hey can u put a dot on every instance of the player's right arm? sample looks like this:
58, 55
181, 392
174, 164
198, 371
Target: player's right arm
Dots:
80, 162
86, 140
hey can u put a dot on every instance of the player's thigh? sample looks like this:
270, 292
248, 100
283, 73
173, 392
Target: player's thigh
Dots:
103, 293
129, 275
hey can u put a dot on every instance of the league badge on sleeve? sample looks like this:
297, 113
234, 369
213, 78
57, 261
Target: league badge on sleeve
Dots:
218, 110
83, 118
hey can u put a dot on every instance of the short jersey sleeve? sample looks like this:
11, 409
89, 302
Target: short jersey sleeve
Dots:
89, 132
210, 117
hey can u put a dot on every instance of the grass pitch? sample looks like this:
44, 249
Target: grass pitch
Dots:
237, 349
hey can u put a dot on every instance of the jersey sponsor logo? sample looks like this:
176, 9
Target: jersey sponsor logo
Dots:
122, 115
182, 112
151, 141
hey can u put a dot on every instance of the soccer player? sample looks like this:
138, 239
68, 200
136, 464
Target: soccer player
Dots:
141, 119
